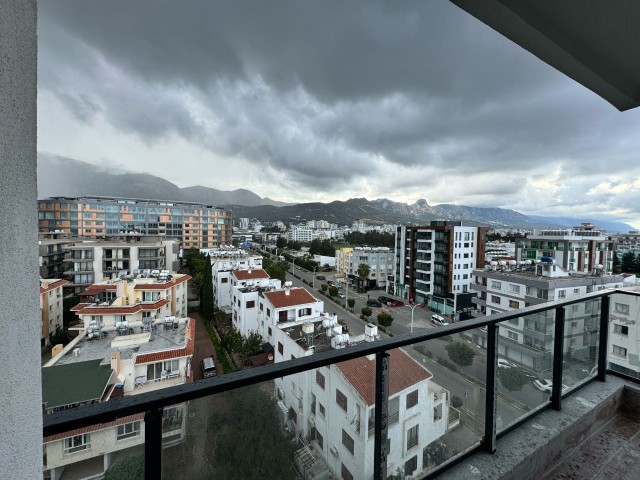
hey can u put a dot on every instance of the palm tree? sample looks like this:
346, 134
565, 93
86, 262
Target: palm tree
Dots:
363, 272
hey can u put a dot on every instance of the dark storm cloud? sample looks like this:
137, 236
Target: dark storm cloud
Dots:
323, 94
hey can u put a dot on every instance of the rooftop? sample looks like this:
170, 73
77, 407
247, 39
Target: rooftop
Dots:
74, 383
250, 274
51, 284
290, 298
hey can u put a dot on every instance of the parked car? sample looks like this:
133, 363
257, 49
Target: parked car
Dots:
341, 295
373, 303
396, 303
208, 367
502, 363
438, 320
320, 277
328, 269
384, 299
545, 385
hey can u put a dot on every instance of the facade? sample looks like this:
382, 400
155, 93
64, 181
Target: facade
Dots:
528, 340
224, 261
91, 261
133, 301
584, 248
196, 225
101, 367
51, 308
434, 264
380, 261
626, 242
246, 289
624, 334
51, 254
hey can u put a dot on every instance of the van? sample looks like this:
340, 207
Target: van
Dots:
438, 320
208, 367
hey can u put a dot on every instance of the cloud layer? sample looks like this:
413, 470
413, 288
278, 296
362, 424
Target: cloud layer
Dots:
305, 101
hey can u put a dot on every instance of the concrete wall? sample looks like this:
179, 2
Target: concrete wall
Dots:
20, 327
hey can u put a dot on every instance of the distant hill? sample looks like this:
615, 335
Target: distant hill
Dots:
68, 177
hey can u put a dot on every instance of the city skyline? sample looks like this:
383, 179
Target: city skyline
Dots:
324, 101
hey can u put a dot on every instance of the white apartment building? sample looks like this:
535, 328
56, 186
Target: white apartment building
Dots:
246, 288
528, 340
584, 248
92, 261
380, 261
624, 334
300, 233
134, 301
100, 365
223, 262
51, 308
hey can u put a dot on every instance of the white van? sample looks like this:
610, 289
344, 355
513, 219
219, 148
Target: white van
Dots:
438, 320
208, 367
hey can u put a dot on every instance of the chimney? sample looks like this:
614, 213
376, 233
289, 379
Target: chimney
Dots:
115, 362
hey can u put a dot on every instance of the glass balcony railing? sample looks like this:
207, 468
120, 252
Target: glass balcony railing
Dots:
412, 404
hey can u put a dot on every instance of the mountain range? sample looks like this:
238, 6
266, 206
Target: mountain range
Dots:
60, 176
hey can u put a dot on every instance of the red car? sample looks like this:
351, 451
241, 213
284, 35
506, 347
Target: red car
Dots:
396, 303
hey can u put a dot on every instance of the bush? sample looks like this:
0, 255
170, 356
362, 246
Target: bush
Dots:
456, 401
385, 319
460, 353
428, 354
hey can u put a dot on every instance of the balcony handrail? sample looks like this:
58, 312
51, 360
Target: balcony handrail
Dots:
109, 411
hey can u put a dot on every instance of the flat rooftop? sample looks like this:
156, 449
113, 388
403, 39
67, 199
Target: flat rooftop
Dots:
128, 345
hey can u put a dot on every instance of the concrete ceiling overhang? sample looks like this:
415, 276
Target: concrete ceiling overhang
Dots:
594, 42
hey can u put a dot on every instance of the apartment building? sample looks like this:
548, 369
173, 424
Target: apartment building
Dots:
51, 253
91, 261
224, 261
624, 334
434, 264
380, 261
584, 248
626, 242
196, 225
528, 340
100, 365
134, 301
246, 288
51, 308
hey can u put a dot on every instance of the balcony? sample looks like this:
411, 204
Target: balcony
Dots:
492, 408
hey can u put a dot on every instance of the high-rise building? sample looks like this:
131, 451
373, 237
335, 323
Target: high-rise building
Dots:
195, 224
434, 263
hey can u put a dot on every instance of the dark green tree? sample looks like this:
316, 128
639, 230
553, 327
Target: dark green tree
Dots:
281, 243
322, 247
628, 262
385, 319
616, 264
206, 291
324, 287
351, 302
456, 401
363, 272
251, 345
333, 291
460, 353
275, 269
366, 312
513, 379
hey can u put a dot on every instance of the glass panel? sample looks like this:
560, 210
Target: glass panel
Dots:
525, 363
452, 414
581, 339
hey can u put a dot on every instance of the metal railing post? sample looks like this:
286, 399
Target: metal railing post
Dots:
153, 444
491, 403
558, 357
605, 303
381, 413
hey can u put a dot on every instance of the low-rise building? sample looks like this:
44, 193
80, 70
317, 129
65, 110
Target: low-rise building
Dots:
624, 334
51, 308
380, 260
224, 261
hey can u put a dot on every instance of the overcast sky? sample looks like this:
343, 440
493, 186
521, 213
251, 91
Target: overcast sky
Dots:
318, 101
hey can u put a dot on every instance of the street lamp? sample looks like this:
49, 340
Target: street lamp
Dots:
413, 307
313, 279
293, 268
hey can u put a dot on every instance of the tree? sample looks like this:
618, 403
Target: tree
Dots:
324, 287
333, 291
281, 242
616, 264
460, 353
322, 247
206, 291
385, 319
351, 302
456, 401
366, 312
628, 262
232, 341
251, 344
275, 269
127, 468
513, 379
363, 272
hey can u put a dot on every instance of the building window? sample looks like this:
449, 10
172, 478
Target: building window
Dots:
280, 348
495, 299
496, 285
270, 332
128, 430
514, 288
437, 413
622, 308
224, 280
412, 399
320, 379
620, 329
77, 443
347, 441
303, 312
412, 437
411, 465
562, 294
262, 307
341, 400
512, 336
319, 440
514, 304
619, 351
321, 409
346, 474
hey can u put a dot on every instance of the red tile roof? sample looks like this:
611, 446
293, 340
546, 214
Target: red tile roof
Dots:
404, 372
51, 286
93, 289
250, 274
163, 286
169, 354
92, 309
296, 296
92, 428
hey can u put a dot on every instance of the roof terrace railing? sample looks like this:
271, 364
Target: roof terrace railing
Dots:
565, 364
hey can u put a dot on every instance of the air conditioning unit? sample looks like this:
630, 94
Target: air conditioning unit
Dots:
334, 451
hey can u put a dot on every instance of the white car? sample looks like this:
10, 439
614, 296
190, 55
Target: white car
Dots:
438, 320
546, 385
502, 363
341, 295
